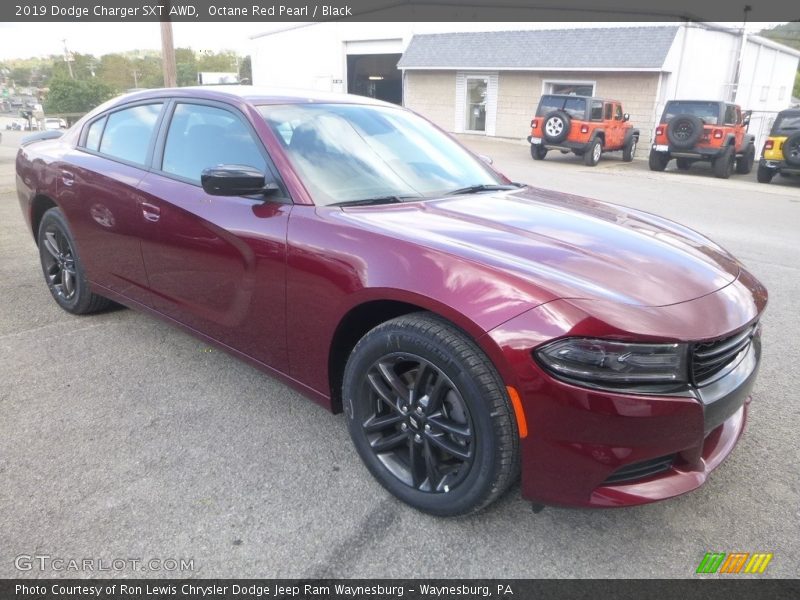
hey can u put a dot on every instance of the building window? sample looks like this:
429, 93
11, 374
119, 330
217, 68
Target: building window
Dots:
764, 93
477, 88
569, 88
782, 92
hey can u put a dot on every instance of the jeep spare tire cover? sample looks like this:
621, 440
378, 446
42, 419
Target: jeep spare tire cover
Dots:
556, 126
791, 150
684, 131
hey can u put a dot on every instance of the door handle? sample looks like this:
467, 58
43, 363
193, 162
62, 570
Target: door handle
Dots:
67, 178
150, 211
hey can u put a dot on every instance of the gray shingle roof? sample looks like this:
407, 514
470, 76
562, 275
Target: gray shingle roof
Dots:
589, 48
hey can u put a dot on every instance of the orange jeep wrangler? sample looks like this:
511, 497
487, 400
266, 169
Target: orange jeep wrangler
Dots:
694, 130
583, 125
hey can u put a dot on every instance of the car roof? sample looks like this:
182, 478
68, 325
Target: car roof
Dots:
252, 95
793, 112
579, 96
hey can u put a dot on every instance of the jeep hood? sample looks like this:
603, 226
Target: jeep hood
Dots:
566, 246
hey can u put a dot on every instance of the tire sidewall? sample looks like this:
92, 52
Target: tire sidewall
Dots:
793, 141
565, 119
386, 340
684, 120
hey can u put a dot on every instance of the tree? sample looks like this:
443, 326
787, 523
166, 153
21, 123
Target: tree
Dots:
789, 35
246, 70
186, 66
21, 76
75, 95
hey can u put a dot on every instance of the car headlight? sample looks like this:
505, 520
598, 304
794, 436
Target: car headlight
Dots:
610, 364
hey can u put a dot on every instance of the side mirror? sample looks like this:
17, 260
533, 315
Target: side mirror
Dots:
626, 117
746, 121
235, 180
487, 159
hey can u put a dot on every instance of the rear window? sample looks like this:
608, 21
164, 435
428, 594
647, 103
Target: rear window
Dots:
574, 106
786, 123
708, 112
128, 132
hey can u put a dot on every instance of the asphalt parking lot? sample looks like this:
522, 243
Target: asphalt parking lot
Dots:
121, 437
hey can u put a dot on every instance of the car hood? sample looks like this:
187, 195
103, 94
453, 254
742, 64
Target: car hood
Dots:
567, 246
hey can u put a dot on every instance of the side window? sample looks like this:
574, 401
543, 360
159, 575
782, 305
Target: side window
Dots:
205, 136
730, 114
618, 112
128, 132
597, 110
609, 113
94, 133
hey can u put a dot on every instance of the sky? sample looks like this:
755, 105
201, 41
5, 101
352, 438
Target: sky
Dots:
24, 40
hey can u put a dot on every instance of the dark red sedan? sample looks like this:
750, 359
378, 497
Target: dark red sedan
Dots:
469, 327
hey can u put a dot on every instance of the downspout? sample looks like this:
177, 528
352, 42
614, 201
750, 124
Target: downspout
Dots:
742, 45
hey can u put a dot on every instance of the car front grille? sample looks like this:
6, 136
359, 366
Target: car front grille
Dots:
711, 358
640, 470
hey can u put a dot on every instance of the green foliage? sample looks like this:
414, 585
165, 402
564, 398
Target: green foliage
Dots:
246, 70
789, 35
76, 95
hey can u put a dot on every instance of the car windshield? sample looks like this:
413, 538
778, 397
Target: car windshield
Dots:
787, 123
708, 112
349, 153
574, 106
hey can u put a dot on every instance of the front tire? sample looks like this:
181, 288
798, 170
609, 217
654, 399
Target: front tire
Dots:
744, 163
722, 165
429, 416
629, 149
62, 267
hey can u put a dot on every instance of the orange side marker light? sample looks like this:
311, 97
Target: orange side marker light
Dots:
520, 414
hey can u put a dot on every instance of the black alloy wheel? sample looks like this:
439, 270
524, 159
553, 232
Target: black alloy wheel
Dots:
62, 267
430, 416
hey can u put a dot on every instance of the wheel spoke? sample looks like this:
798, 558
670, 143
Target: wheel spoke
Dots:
462, 452
67, 280
450, 426
376, 424
388, 443
435, 395
422, 376
51, 245
376, 381
417, 464
390, 377
431, 468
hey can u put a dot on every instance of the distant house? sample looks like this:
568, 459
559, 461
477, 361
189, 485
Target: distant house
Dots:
489, 82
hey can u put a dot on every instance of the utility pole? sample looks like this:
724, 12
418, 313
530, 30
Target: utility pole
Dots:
68, 59
168, 48
135, 74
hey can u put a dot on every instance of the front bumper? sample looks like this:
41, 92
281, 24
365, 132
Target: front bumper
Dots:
595, 448
779, 166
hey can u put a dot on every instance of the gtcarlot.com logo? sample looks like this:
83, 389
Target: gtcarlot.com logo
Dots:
45, 562
734, 562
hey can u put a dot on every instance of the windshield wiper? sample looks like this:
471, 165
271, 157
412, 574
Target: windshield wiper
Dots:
485, 187
377, 200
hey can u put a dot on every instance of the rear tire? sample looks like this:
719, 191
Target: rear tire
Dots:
744, 163
62, 267
429, 416
722, 165
657, 160
592, 155
538, 152
764, 174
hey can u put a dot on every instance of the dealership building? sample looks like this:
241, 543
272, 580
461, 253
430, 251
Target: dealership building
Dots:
487, 78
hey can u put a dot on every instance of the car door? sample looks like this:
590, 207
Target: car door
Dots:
216, 264
97, 190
